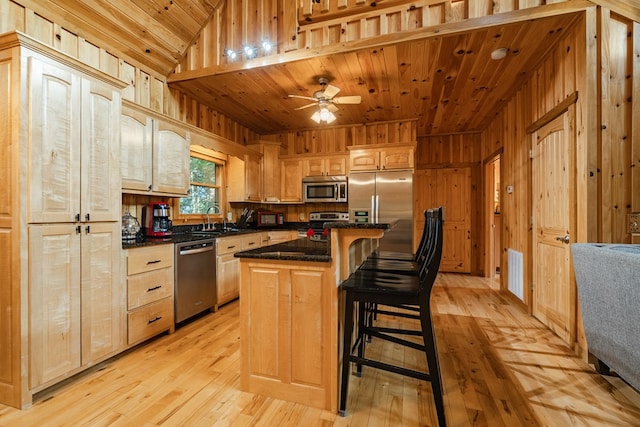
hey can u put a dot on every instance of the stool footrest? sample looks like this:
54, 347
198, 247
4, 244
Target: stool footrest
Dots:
391, 368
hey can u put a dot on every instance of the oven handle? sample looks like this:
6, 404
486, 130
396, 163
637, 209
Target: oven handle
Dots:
196, 250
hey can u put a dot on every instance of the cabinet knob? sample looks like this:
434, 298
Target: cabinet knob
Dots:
78, 230
78, 217
88, 229
88, 216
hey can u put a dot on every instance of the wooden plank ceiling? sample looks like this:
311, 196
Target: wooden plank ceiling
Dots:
155, 33
448, 84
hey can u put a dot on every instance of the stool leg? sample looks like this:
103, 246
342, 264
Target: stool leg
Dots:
346, 352
360, 337
432, 362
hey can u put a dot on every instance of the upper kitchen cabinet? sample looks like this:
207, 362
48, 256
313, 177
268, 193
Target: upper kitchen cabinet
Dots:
155, 153
74, 148
244, 178
291, 171
382, 158
269, 170
325, 166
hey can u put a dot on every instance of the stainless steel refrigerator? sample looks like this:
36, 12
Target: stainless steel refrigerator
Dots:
380, 197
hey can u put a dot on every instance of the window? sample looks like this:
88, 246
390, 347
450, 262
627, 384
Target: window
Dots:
204, 194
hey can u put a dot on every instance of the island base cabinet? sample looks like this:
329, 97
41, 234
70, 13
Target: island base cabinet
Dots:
288, 338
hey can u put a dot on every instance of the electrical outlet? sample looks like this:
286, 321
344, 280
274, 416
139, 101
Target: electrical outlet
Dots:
301, 216
633, 223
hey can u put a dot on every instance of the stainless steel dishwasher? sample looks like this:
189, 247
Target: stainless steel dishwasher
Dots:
195, 278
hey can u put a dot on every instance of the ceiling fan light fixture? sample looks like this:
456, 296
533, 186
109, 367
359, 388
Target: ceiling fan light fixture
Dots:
323, 115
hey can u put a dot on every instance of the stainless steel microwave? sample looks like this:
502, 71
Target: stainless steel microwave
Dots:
323, 189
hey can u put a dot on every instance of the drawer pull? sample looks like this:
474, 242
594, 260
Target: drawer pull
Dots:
231, 247
154, 320
252, 243
154, 261
154, 288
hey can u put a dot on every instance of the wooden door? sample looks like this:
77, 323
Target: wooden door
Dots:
227, 278
554, 295
54, 150
136, 150
54, 301
100, 179
103, 293
451, 188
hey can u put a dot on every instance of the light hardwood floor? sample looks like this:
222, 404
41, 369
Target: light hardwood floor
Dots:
500, 368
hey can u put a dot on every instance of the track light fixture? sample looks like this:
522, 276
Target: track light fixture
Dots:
249, 51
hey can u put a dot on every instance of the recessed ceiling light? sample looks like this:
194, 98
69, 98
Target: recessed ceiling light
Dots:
499, 53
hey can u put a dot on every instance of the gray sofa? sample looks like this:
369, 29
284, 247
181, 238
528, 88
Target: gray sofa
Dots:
608, 279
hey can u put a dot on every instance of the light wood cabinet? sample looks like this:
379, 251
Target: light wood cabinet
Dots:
228, 267
74, 151
155, 153
291, 172
325, 166
269, 171
279, 236
287, 344
244, 178
77, 303
63, 292
150, 292
383, 158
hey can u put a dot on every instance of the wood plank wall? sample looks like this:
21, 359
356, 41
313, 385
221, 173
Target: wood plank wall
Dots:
146, 87
608, 131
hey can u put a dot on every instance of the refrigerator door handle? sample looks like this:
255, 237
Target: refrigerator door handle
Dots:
372, 213
377, 208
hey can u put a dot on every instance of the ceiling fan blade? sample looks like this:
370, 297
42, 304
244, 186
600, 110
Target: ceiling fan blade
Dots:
306, 106
302, 97
354, 99
331, 91
332, 107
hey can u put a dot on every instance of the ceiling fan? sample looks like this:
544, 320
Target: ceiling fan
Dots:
326, 100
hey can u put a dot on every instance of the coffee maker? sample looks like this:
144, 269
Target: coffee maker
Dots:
155, 218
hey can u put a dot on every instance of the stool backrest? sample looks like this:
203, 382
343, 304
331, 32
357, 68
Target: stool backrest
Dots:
430, 262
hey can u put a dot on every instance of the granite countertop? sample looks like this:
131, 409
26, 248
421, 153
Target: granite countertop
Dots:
358, 225
302, 249
190, 235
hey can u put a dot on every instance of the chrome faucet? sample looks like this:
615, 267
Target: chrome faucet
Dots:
208, 220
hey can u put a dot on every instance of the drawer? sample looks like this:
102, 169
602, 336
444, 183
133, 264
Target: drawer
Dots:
149, 258
251, 241
145, 288
226, 245
150, 320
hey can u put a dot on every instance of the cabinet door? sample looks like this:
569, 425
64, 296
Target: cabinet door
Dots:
364, 160
253, 179
335, 165
396, 158
102, 290
171, 173
270, 173
314, 167
227, 278
291, 181
54, 301
54, 151
100, 195
136, 150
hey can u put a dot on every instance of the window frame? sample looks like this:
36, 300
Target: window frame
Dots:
220, 161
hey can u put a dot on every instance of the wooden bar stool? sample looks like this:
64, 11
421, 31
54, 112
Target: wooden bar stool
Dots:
370, 287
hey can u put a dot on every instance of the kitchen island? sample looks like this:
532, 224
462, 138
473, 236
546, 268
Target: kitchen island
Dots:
290, 311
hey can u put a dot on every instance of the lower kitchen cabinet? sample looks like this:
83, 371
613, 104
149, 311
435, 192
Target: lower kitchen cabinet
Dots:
149, 292
76, 305
228, 267
287, 331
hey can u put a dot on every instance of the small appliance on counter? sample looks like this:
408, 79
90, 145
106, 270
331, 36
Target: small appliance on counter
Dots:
156, 219
269, 219
130, 227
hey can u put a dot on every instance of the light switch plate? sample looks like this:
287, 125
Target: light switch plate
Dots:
633, 223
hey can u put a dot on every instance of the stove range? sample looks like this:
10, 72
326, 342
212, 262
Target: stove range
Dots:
316, 231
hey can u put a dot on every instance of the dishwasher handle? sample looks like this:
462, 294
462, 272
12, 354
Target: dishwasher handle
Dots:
189, 250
